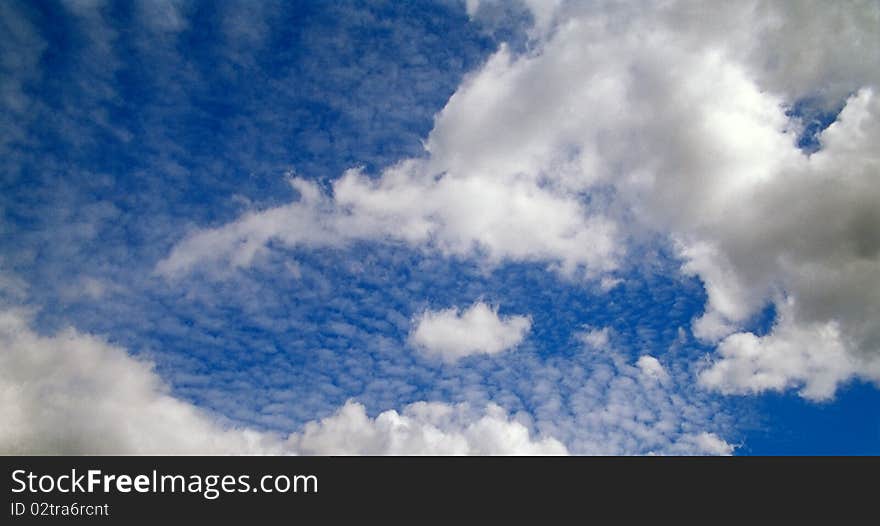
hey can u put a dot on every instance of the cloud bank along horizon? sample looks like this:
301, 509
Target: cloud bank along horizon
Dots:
579, 256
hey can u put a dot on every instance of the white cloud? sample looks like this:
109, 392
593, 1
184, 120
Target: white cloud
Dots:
72, 393
452, 334
422, 429
596, 338
682, 109
76, 394
304, 222
513, 218
669, 117
816, 48
652, 368
811, 356
809, 240
702, 444
616, 407
471, 6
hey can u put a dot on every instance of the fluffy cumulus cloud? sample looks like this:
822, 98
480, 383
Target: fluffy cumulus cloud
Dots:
812, 356
76, 394
452, 334
511, 218
72, 393
611, 406
809, 242
683, 112
422, 429
614, 126
676, 117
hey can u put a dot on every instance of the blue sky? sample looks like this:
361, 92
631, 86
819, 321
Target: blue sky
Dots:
130, 128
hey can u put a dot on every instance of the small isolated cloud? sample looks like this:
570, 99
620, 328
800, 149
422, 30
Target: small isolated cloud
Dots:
452, 334
596, 338
651, 367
